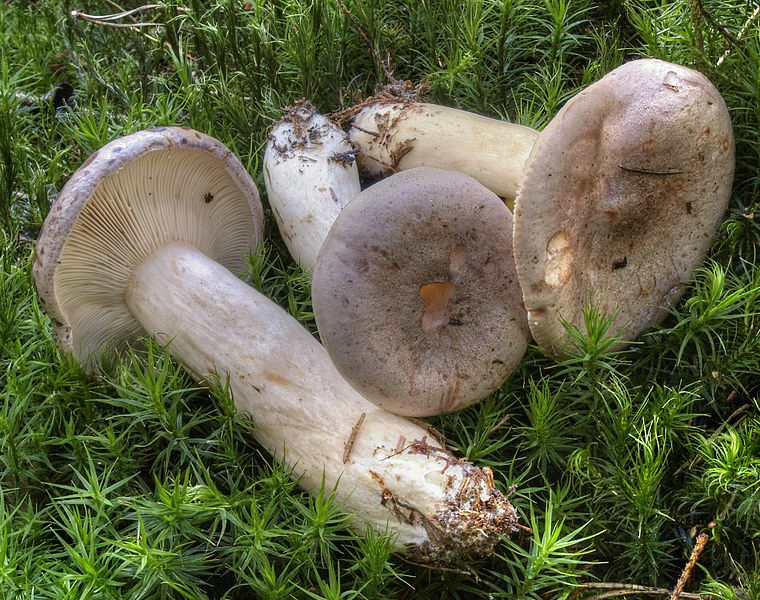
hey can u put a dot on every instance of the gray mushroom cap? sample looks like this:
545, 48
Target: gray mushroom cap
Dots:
416, 296
624, 191
132, 196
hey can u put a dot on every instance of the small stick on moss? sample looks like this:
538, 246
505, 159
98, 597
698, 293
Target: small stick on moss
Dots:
524, 528
106, 20
715, 24
644, 592
697, 459
118, 7
722, 514
115, 5
348, 446
741, 34
438, 567
576, 593
684, 579
387, 70
696, 19
624, 589
500, 424
116, 16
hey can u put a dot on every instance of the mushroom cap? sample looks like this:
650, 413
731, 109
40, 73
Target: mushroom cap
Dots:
624, 191
416, 296
129, 198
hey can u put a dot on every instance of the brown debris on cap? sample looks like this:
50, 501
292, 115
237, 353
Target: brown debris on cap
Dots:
416, 295
132, 196
624, 191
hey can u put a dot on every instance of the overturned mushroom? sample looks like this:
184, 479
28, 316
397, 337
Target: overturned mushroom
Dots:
137, 242
416, 295
624, 191
396, 136
617, 204
310, 175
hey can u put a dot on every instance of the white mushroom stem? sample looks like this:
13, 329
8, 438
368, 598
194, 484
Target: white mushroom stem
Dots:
310, 175
396, 136
389, 473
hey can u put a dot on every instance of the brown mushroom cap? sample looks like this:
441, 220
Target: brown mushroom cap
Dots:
416, 296
132, 196
623, 193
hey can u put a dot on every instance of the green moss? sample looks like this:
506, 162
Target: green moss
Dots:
141, 485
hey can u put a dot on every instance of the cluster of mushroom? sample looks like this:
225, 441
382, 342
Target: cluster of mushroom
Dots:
422, 298
417, 294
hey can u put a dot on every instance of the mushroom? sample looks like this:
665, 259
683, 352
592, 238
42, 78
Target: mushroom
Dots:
310, 174
393, 136
416, 296
141, 241
622, 193
135, 195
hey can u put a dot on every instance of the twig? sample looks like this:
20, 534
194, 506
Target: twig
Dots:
696, 19
412, 586
435, 567
715, 24
107, 20
348, 446
625, 589
88, 18
116, 16
740, 36
651, 171
524, 528
722, 426
576, 592
645, 592
500, 424
115, 5
722, 514
684, 578
386, 68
